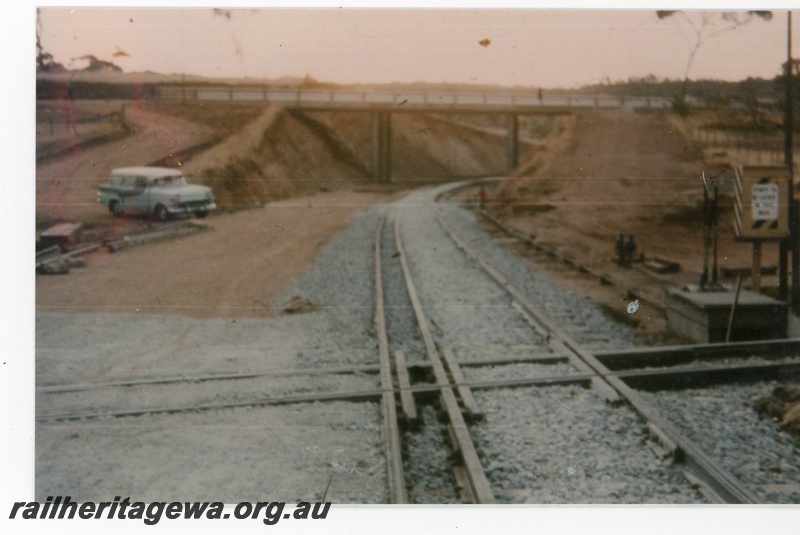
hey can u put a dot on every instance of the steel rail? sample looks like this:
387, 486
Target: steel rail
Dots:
476, 477
366, 368
391, 433
628, 358
740, 372
602, 277
691, 376
358, 396
80, 387
351, 396
718, 479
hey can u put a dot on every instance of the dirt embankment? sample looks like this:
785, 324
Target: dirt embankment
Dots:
609, 173
309, 174
613, 172
423, 147
250, 154
285, 153
274, 157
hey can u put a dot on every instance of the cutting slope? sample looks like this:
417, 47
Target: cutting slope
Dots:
612, 172
252, 154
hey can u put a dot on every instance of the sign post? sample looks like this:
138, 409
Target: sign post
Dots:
762, 203
762, 209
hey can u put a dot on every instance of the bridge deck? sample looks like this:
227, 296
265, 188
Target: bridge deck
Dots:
466, 101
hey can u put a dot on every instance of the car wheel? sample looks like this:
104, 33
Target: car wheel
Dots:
201, 213
113, 207
160, 213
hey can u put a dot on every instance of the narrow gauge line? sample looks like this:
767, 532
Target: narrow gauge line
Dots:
351, 396
669, 355
364, 395
616, 359
584, 379
390, 428
603, 278
52, 389
478, 484
695, 376
391, 433
721, 484
367, 368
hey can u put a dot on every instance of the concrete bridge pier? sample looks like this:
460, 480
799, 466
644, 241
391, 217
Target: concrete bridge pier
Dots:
512, 151
381, 146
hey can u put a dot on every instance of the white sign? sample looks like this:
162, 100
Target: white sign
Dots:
765, 202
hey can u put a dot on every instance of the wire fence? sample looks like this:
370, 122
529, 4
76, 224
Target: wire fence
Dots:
743, 148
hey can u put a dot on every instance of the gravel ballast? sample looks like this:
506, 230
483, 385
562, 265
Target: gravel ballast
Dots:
565, 445
722, 421
538, 445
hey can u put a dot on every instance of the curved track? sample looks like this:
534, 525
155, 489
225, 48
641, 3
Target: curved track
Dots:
453, 336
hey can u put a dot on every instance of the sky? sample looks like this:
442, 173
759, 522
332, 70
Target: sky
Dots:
526, 47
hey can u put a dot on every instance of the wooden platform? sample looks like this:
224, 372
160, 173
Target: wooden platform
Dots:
62, 234
703, 316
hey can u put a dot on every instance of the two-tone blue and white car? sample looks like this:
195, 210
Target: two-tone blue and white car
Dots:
159, 192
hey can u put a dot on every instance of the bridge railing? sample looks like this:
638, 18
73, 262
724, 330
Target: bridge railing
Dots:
427, 99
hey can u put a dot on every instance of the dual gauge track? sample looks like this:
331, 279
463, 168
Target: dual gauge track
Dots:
617, 376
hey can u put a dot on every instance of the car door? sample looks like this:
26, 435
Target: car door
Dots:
139, 200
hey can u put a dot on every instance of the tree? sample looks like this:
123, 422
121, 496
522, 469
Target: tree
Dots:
97, 65
703, 26
44, 60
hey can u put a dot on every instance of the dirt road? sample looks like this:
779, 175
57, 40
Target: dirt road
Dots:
66, 186
243, 260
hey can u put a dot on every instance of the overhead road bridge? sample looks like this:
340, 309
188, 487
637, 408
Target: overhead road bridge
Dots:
381, 103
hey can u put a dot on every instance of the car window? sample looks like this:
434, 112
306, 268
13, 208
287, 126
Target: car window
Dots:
173, 181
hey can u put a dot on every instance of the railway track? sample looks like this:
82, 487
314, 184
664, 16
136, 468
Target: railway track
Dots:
438, 397
645, 295
714, 480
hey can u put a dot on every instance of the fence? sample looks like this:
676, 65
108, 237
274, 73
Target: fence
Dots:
749, 148
417, 99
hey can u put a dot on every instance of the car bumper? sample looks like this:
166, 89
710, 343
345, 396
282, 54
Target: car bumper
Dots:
191, 207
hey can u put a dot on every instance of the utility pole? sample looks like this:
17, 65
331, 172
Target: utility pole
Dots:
789, 161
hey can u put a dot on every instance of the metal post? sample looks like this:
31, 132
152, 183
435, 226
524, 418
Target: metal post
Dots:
381, 146
512, 141
706, 236
789, 160
755, 275
733, 309
376, 146
783, 275
714, 235
789, 115
387, 146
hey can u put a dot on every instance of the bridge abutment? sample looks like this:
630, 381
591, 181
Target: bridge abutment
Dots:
512, 143
381, 146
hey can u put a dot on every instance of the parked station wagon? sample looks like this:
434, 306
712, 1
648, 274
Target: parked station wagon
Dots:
160, 192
